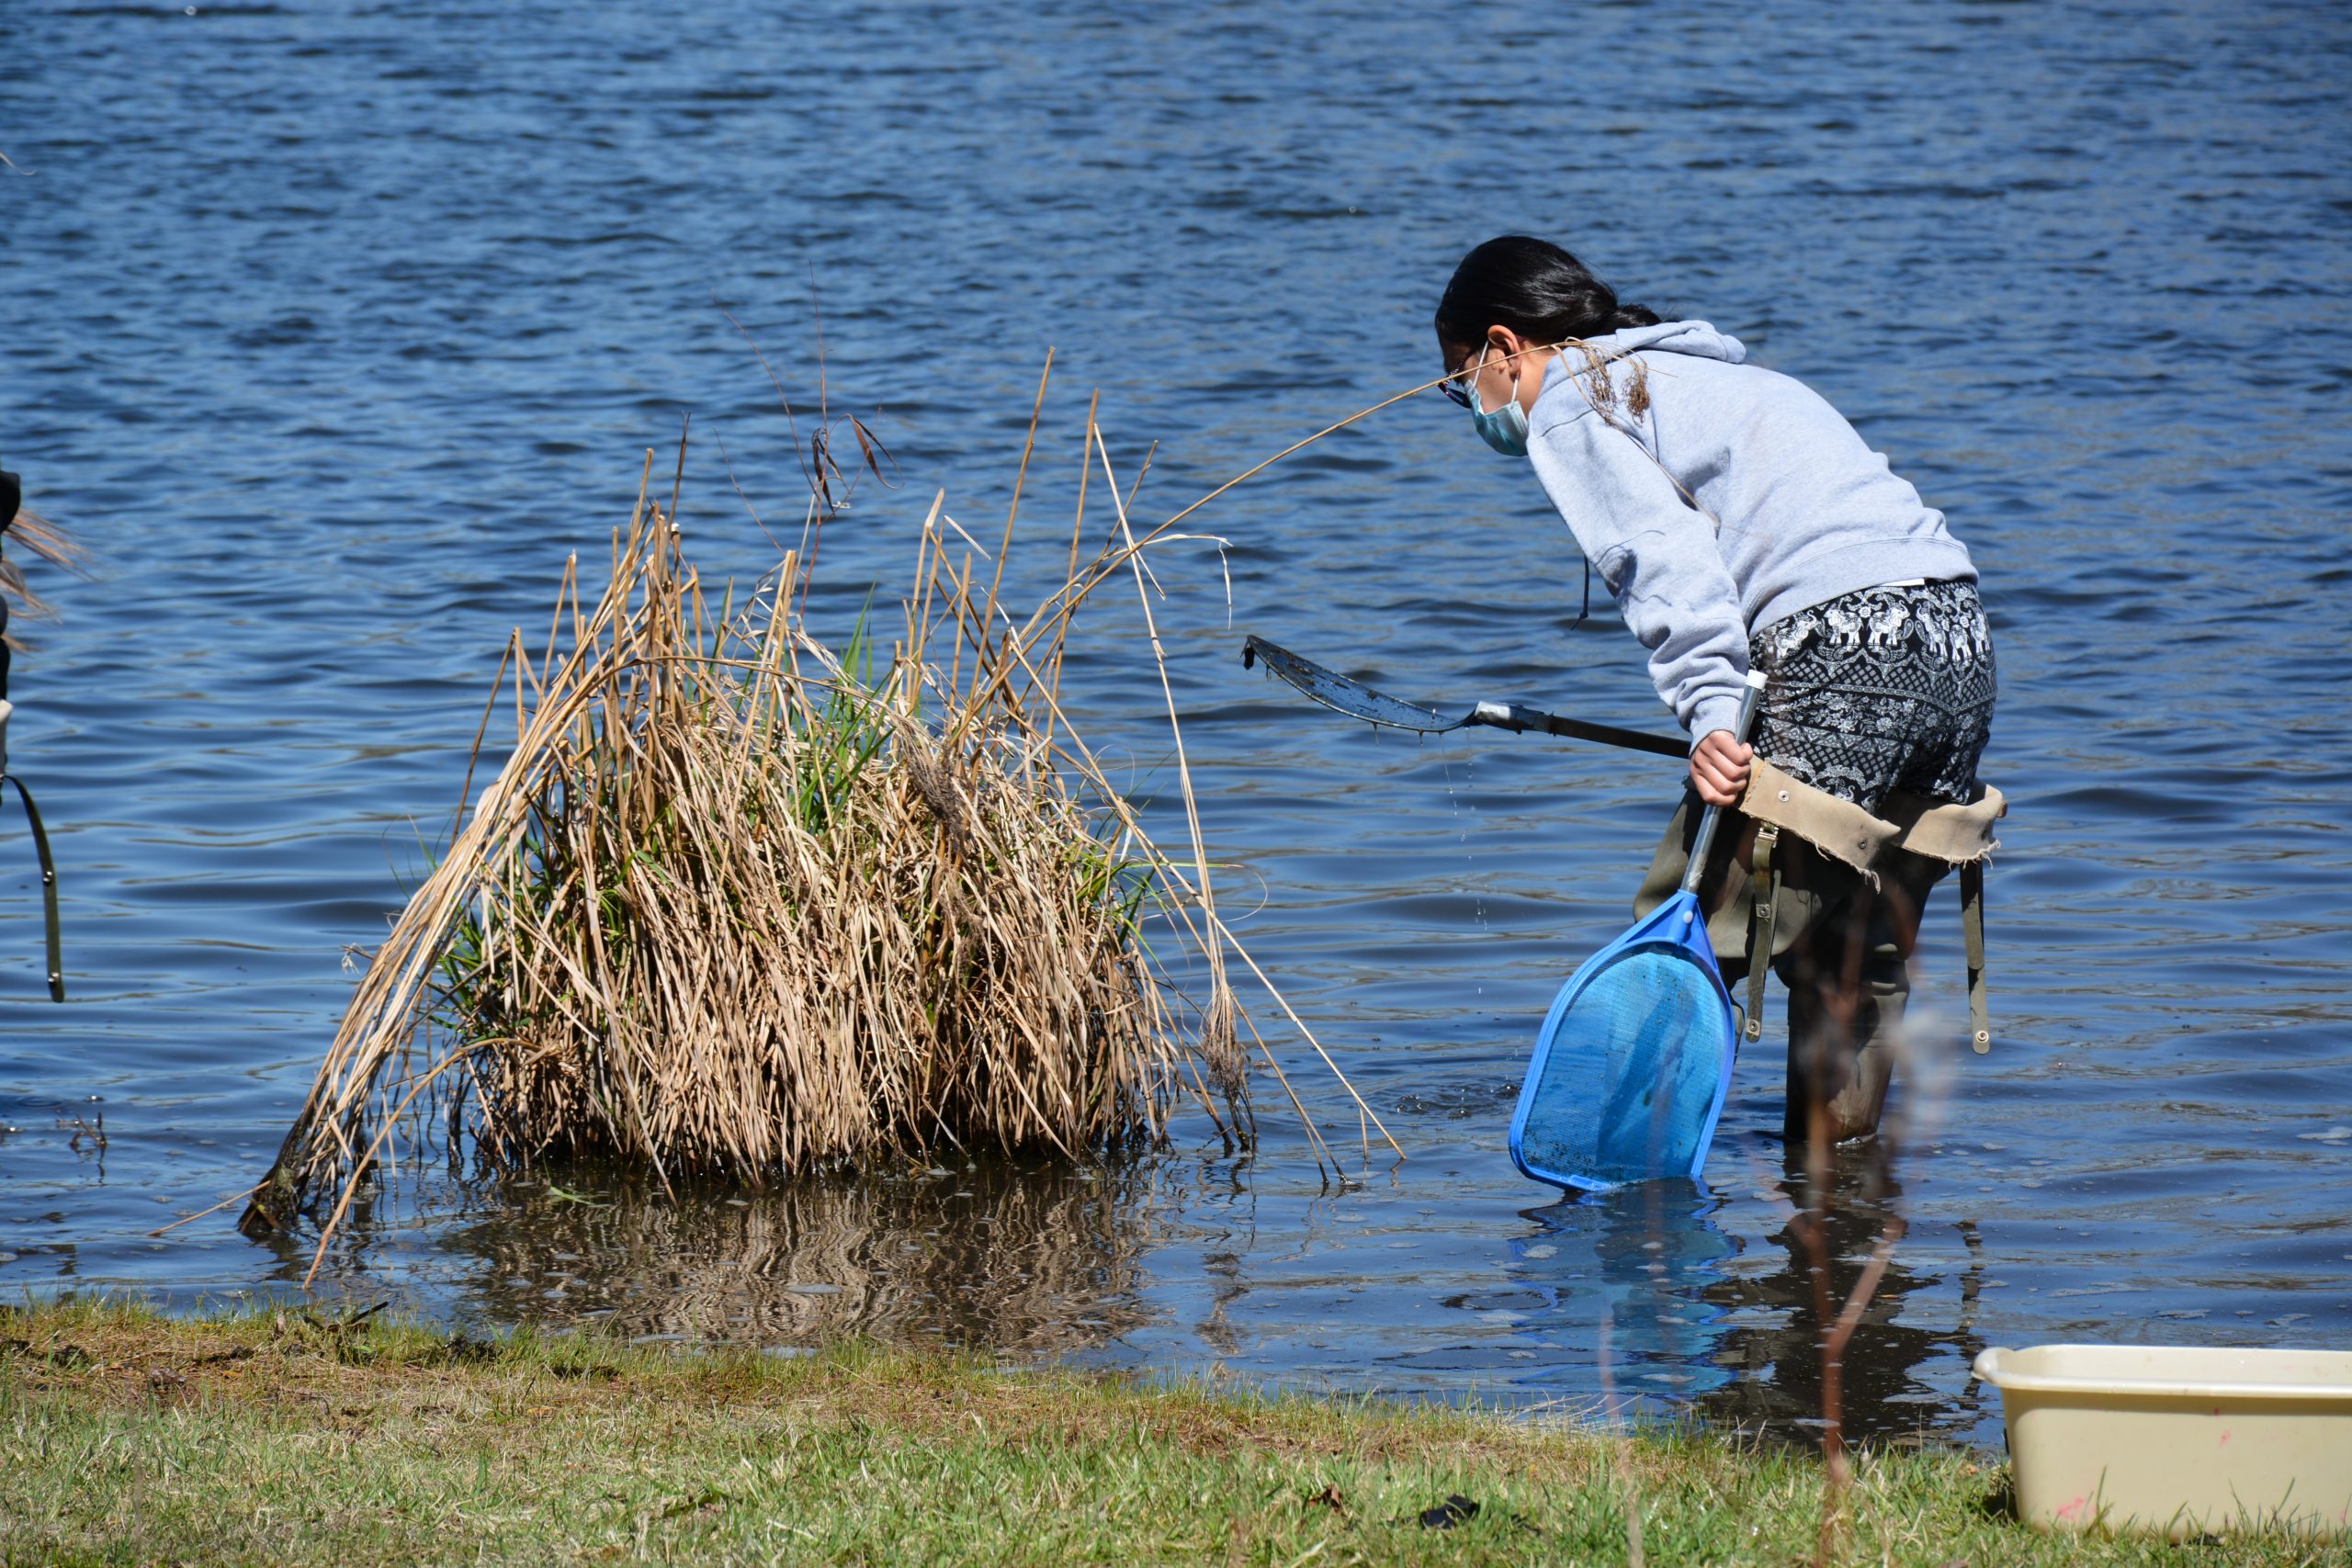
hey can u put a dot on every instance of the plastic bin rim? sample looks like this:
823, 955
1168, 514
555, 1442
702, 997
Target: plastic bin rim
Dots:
1988, 1367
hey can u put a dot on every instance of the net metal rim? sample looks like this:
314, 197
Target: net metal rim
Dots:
1659, 936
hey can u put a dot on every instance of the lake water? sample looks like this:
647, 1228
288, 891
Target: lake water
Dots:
334, 328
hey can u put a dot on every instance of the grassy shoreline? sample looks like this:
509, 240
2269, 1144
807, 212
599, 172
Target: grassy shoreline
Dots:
290, 1438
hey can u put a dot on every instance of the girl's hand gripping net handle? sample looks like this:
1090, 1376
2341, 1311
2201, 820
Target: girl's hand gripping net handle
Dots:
1713, 818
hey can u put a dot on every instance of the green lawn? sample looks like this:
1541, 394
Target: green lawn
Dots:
126, 1437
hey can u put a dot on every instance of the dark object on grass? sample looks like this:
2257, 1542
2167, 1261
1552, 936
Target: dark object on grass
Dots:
1454, 1510
63, 1358
1336, 691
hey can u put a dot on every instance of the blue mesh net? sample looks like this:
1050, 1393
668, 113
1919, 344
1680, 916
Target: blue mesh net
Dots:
1628, 1087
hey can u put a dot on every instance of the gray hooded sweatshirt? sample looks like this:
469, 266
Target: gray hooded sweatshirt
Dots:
1738, 496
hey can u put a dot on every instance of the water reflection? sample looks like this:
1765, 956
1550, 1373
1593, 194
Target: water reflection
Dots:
1036, 1258
1639, 1299
1648, 1254
1604, 1290
1769, 1357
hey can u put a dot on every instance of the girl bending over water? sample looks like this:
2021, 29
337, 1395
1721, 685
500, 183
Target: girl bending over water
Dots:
1743, 525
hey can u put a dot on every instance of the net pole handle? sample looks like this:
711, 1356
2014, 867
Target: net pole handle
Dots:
1708, 823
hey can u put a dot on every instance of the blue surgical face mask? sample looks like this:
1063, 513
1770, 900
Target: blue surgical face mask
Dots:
1503, 429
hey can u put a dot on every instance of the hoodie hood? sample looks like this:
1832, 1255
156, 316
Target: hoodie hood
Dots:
1695, 338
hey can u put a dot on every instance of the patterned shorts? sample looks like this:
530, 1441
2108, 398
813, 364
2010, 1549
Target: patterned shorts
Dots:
1878, 690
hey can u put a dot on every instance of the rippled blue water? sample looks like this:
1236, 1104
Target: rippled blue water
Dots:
334, 328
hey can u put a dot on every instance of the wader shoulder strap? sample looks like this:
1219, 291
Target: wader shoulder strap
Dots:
1762, 897
48, 889
1972, 925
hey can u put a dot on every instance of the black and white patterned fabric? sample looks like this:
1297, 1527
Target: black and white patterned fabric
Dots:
1884, 689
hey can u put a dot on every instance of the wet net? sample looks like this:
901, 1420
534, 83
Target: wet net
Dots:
1336, 691
1628, 1089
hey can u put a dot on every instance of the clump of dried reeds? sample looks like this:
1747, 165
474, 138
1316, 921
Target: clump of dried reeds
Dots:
738, 903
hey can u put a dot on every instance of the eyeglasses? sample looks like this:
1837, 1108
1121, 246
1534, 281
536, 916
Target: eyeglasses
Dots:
1457, 385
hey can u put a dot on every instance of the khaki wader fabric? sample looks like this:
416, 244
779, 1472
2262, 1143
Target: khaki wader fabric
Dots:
1796, 913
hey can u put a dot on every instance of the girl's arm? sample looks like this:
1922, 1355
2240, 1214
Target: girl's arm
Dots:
1657, 554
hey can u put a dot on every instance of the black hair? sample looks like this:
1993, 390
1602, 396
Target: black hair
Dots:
1536, 289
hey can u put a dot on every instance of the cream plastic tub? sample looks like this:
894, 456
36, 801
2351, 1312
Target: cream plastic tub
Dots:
2178, 1440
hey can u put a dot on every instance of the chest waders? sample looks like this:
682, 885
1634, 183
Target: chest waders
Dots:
11, 499
1832, 903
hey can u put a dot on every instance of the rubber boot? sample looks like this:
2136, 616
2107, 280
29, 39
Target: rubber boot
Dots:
1849, 982
1844, 1034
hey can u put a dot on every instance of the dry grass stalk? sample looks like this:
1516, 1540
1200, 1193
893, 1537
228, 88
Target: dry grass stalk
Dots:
1813, 1228
735, 904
